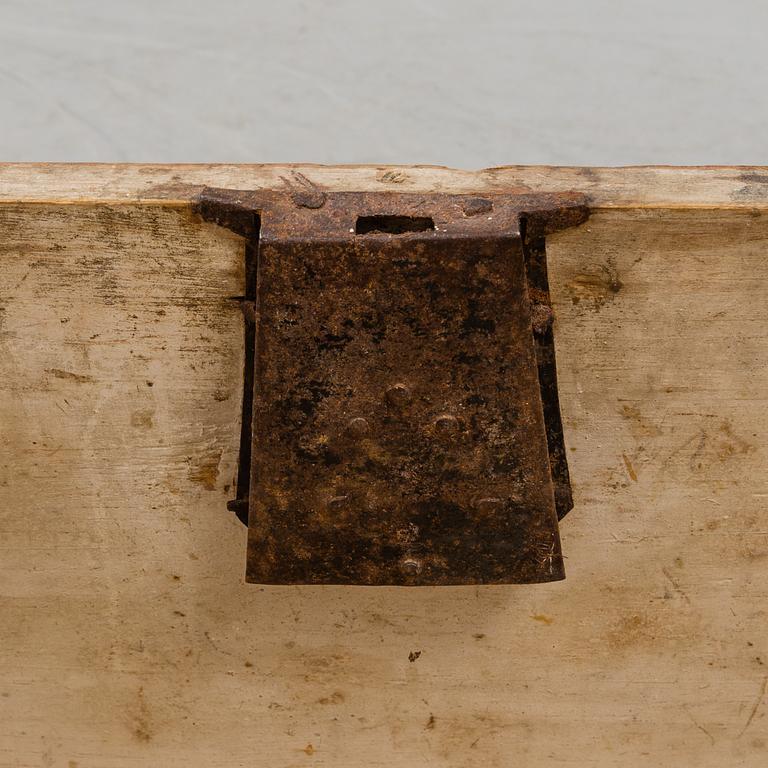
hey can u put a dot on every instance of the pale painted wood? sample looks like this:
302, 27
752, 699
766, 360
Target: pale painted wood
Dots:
651, 186
127, 635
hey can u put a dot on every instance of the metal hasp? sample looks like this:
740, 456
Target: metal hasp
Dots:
405, 428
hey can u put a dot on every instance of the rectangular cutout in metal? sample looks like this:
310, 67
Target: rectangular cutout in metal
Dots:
393, 225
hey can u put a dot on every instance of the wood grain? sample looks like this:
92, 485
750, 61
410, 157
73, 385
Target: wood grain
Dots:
127, 635
650, 186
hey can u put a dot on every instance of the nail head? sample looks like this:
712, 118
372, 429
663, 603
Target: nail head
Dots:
358, 426
399, 395
446, 424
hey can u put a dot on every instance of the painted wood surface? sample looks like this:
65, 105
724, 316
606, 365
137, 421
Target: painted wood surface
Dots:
646, 187
127, 634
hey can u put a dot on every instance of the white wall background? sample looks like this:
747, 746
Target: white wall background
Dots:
468, 84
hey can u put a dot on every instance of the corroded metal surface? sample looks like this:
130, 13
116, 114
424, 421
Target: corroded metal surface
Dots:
542, 319
398, 427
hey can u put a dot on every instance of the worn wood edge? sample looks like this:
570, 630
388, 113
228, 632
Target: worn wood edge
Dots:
629, 187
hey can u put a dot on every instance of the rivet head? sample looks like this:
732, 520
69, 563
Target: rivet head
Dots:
411, 566
358, 427
446, 425
488, 506
399, 395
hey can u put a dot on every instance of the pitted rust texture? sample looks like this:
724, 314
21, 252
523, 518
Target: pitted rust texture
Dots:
398, 426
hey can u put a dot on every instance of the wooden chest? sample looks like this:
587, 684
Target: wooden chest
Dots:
127, 634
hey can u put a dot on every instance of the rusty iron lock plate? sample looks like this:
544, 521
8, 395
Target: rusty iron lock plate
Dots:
402, 345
